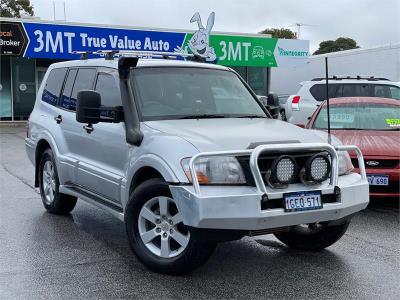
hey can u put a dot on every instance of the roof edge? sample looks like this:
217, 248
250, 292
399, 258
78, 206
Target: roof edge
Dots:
128, 27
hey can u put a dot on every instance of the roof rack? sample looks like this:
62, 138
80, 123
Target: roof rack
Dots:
83, 54
358, 77
111, 54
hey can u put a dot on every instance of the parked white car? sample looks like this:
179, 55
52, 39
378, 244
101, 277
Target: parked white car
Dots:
301, 106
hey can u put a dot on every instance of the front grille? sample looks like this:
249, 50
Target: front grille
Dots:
392, 188
381, 163
278, 203
265, 162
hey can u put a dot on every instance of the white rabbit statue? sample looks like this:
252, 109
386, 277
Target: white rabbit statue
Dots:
199, 44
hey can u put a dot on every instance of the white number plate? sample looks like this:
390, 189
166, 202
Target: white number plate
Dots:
378, 179
302, 201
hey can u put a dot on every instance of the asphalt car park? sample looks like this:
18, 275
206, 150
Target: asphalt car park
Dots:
86, 254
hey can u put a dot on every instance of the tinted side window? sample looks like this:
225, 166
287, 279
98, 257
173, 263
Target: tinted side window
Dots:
54, 82
318, 91
108, 89
385, 91
83, 81
355, 90
394, 92
66, 94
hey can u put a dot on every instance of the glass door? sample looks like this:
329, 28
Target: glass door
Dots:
23, 87
40, 72
5, 89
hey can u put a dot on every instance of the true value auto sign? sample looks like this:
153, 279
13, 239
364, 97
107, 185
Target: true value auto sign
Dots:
56, 41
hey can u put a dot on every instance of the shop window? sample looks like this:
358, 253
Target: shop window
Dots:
5, 89
52, 89
242, 71
257, 79
23, 87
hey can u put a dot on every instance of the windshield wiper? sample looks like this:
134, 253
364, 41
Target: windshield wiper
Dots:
251, 116
349, 128
202, 116
390, 129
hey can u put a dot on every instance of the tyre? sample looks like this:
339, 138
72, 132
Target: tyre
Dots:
157, 234
53, 200
283, 115
315, 236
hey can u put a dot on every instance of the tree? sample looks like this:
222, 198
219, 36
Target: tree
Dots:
15, 8
339, 45
279, 33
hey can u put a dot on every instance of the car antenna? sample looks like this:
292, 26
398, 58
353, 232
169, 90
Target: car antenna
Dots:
327, 100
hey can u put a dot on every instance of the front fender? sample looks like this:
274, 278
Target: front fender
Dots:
45, 136
152, 161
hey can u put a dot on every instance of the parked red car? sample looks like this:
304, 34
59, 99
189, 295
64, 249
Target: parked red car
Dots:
372, 124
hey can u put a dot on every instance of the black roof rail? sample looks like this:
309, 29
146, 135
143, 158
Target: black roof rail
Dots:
358, 77
111, 54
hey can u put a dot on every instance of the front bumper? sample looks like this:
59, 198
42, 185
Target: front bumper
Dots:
240, 207
390, 191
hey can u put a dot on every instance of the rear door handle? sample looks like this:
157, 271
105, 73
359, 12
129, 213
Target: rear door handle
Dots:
89, 128
58, 119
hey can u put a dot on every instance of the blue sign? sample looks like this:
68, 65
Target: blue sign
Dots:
60, 41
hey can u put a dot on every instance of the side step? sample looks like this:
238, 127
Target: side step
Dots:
105, 204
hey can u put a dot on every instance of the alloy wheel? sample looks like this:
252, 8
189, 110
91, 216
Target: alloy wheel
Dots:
49, 182
161, 228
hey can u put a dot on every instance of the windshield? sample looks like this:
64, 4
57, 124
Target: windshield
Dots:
363, 116
175, 93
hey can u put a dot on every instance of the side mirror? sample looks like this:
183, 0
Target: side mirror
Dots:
271, 103
273, 100
88, 107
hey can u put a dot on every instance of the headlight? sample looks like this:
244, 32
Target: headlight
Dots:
283, 169
215, 170
345, 165
318, 168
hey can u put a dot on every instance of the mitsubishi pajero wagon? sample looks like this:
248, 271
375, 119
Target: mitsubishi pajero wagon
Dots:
184, 153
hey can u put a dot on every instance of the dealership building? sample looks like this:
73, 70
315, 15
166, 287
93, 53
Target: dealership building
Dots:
29, 46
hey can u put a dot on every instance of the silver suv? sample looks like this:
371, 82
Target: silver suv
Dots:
186, 155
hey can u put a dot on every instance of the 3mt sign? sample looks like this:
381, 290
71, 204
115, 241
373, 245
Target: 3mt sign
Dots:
13, 39
60, 41
244, 51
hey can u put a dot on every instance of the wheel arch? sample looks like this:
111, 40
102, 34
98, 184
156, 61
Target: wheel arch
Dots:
42, 145
141, 175
147, 167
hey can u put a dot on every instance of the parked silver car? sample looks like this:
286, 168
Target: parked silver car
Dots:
186, 155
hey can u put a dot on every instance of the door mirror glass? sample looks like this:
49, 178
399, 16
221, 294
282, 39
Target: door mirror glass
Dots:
273, 100
271, 103
88, 107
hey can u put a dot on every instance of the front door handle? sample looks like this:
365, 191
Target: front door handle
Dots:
89, 128
58, 119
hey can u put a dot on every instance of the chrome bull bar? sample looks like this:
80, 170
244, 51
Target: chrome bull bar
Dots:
280, 148
360, 157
